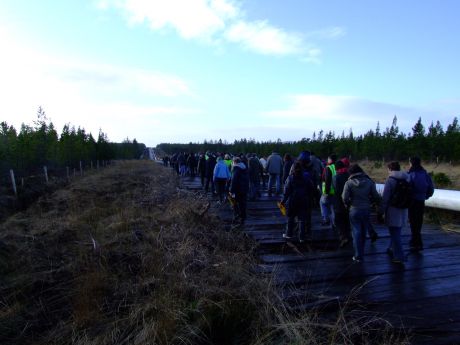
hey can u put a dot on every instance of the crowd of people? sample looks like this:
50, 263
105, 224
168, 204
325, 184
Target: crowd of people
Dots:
345, 194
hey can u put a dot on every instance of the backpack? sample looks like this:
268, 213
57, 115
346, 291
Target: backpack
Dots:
402, 195
430, 187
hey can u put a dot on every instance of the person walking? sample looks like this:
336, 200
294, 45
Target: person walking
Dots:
359, 192
191, 164
342, 219
239, 187
318, 168
275, 170
221, 176
202, 168
288, 162
255, 171
328, 192
394, 210
210, 164
263, 177
297, 199
422, 189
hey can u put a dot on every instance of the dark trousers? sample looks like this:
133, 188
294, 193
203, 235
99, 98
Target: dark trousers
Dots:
239, 210
220, 186
209, 180
416, 211
342, 222
202, 177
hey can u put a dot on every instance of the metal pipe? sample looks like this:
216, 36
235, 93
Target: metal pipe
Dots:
442, 198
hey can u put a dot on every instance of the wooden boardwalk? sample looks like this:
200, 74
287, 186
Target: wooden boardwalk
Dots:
423, 297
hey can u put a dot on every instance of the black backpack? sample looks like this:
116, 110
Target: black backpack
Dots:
402, 195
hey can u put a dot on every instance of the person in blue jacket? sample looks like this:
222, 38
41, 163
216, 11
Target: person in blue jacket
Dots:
221, 176
422, 189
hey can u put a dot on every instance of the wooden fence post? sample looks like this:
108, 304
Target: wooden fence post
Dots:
97, 164
13, 182
81, 169
45, 170
91, 165
68, 173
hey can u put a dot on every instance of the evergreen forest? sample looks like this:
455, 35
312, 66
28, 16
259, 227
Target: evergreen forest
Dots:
434, 143
39, 145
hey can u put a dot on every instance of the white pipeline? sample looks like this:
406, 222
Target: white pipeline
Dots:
442, 198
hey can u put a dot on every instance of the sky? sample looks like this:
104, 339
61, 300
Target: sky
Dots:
189, 70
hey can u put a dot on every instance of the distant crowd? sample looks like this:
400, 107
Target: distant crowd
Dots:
345, 194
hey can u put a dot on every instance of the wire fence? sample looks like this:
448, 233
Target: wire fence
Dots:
14, 183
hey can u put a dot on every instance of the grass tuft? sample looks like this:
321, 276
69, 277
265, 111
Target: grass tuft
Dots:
127, 257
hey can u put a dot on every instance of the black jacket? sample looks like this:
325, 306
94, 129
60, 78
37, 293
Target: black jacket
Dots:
240, 180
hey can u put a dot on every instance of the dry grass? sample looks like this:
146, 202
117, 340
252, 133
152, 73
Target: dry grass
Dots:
125, 257
379, 171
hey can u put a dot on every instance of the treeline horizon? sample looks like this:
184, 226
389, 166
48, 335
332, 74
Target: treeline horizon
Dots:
433, 144
40, 145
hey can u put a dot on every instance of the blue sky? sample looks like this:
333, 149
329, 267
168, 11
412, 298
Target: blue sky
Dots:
189, 70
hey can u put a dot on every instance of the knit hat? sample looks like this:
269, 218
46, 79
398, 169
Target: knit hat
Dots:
304, 156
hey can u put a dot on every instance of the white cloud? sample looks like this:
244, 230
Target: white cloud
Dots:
115, 78
199, 19
328, 33
123, 101
340, 113
264, 38
215, 21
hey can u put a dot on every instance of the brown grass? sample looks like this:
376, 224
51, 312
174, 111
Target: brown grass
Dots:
379, 171
125, 257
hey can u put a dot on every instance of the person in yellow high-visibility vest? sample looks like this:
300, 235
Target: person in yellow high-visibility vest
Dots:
328, 192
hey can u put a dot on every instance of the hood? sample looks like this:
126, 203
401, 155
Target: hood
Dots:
240, 165
401, 175
358, 179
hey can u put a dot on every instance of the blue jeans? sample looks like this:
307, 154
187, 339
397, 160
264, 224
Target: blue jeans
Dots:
327, 208
395, 242
271, 181
360, 222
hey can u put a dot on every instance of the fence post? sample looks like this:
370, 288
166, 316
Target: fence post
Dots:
68, 173
45, 170
13, 182
97, 164
81, 169
22, 182
91, 165
74, 172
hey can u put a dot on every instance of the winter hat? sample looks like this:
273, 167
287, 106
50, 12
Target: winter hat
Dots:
346, 162
304, 156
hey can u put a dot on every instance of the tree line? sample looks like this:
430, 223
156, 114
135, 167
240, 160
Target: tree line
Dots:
40, 145
433, 143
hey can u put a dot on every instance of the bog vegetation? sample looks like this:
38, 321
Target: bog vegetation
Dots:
124, 256
433, 144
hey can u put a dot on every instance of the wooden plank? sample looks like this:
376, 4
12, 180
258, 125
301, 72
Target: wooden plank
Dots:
423, 298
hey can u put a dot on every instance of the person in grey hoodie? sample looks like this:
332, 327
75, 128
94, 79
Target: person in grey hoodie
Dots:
275, 170
395, 218
359, 193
